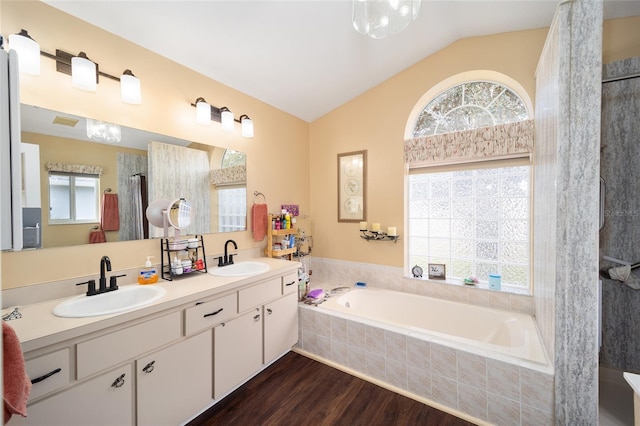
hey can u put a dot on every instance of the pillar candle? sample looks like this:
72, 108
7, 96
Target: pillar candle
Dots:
391, 231
375, 227
363, 226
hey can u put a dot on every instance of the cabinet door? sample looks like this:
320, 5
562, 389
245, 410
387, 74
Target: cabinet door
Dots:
237, 351
175, 383
280, 326
103, 400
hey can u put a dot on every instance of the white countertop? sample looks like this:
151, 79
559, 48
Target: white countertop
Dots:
38, 327
634, 381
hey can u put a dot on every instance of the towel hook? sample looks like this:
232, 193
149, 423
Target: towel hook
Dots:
107, 190
256, 194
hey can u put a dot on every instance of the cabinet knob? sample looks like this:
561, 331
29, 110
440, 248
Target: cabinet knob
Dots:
119, 382
149, 367
269, 311
256, 318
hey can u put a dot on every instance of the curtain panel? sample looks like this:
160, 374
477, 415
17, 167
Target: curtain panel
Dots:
486, 143
73, 168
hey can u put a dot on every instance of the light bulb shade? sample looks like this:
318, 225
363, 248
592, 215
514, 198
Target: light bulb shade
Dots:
83, 73
226, 118
247, 126
203, 112
28, 51
130, 88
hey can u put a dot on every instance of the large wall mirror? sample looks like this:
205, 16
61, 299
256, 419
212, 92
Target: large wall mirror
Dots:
86, 181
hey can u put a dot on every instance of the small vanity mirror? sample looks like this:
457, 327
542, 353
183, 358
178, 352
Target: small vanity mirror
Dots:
176, 214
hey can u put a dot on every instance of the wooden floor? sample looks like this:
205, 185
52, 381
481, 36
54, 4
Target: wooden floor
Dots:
297, 390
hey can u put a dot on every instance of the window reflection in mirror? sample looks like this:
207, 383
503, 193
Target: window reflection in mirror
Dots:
62, 139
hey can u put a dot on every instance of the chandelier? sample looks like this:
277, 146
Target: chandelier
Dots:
379, 18
101, 131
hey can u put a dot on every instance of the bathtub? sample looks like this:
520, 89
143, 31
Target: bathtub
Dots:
481, 364
463, 325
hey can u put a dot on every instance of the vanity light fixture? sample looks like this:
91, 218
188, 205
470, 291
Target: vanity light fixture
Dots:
206, 113
84, 73
28, 52
247, 126
226, 118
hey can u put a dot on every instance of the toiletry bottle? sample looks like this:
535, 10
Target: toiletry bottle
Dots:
278, 224
176, 266
148, 275
287, 218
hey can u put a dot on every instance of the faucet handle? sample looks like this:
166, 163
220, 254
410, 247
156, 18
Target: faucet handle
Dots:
91, 290
113, 281
230, 259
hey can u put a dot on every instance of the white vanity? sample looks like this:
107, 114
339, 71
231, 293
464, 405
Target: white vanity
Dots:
163, 363
634, 382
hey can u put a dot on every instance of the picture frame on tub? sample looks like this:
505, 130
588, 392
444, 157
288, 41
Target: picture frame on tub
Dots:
352, 186
437, 271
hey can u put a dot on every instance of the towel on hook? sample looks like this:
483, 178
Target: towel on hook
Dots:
259, 221
16, 382
109, 219
97, 236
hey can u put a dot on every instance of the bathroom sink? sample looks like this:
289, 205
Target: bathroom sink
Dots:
240, 269
123, 299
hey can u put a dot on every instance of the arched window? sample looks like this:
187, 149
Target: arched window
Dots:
472, 214
232, 198
470, 105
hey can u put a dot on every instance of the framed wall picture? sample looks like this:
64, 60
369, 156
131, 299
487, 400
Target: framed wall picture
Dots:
352, 186
437, 271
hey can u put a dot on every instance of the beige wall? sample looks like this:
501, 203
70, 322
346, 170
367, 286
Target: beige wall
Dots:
374, 121
167, 91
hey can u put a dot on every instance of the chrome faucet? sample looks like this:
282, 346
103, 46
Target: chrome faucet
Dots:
228, 259
105, 261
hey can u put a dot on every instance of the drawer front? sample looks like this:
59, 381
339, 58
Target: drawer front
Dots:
48, 372
290, 283
209, 314
259, 294
104, 351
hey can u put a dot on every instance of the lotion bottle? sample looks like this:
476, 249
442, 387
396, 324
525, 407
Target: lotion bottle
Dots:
149, 274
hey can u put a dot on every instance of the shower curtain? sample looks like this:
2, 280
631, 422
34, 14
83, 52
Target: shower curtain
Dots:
131, 214
139, 224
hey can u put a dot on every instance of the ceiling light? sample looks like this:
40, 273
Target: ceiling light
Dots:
226, 118
130, 88
247, 126
203, 112
101, 131
84, 73
379, 18
28, 52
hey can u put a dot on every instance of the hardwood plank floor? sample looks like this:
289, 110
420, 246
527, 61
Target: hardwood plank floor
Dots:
297, 390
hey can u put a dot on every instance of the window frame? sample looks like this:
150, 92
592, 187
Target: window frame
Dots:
72, 220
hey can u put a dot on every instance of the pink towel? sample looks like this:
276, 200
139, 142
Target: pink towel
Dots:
259, 221
109, 219
16, 383
97, 236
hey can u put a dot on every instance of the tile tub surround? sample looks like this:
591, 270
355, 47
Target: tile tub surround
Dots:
452, 379
392, 278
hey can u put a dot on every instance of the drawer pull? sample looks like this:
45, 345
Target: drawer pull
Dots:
256, 318
269, 311
213, 313
149, 367
46, 376
119, 382
291, 283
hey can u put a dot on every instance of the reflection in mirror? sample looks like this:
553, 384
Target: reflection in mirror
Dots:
132, 171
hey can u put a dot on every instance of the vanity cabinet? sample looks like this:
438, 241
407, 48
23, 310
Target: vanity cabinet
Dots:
103, 400
167, 366
175, 382
237, 346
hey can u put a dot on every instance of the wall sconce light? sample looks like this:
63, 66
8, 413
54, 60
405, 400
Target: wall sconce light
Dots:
206, 113
247, 126
28, 52
84, 72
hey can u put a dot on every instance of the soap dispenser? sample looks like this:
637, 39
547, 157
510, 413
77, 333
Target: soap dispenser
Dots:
149, 274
